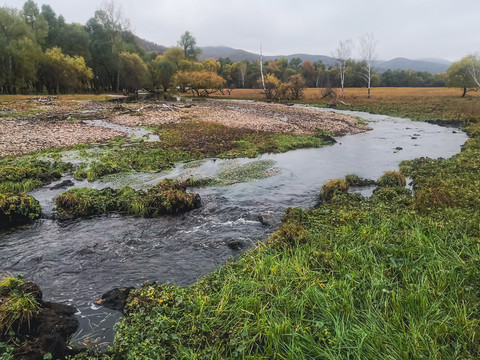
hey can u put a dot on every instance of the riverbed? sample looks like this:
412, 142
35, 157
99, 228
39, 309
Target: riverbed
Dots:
75, 262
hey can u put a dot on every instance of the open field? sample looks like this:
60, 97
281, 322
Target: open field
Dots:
416, 103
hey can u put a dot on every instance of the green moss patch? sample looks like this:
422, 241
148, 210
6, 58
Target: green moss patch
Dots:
18, 209
167, 197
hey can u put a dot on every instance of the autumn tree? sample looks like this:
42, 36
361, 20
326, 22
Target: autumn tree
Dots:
133, 71
211, 65
309, 73
201, 83
62, 73
189, 46
296, 85
174, 55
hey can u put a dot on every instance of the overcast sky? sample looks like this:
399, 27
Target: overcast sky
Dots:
404, 28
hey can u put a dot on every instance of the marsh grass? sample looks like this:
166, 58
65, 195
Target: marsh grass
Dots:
17, 307
393, 276
369, 280
166, 197
186, 142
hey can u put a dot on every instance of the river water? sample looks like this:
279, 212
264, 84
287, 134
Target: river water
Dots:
75, 262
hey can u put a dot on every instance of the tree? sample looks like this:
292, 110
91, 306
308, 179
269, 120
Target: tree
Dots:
270, 85
295, 64
188, 44
211, 65
61, 73
161, 72
368, 45
342, 54
201, 83
296, 84
460, 74
20, 52
309, 73
474, 69
133, 71
174, 55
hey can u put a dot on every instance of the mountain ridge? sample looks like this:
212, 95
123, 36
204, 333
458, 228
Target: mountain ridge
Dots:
399, 63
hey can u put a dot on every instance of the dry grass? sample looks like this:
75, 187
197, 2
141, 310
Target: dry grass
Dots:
314, 94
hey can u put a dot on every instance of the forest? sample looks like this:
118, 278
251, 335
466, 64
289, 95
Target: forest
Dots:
40, 52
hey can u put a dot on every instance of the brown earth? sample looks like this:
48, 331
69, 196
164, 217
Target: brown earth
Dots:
35, 123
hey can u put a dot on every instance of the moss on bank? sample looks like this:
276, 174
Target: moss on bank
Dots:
17, 209
167, 197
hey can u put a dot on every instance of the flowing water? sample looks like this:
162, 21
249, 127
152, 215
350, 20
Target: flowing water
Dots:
75, 262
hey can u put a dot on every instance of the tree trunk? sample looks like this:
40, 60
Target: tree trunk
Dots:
464, 92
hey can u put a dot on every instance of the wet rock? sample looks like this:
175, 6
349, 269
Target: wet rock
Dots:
63, 184
414, 138
267, 219
235, 245
115, 299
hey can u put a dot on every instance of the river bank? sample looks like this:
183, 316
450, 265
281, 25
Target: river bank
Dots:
391, 276
182, 249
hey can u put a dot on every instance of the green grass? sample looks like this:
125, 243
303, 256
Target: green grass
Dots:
367, 280
394, 276
17, 306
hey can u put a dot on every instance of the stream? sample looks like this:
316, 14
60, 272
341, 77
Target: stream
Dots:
75, 262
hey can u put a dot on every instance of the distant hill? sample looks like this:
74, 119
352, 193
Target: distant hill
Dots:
150, 46
217, 52
431, 65
434, 65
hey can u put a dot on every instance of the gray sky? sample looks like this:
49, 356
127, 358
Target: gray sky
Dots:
404, 28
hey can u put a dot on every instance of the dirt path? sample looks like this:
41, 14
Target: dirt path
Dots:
48, 122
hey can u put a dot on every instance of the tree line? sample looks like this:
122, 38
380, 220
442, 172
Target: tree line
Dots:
40, 52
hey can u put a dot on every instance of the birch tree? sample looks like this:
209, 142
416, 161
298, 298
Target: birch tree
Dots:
342, 54
367, 45
473, 69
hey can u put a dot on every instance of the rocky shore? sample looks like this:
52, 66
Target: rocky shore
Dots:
37, 123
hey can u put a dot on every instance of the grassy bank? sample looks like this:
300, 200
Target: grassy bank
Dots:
394, 276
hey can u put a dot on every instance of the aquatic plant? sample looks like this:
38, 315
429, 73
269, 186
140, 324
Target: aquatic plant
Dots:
17, 209
391, 178
355, 180
167, 197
